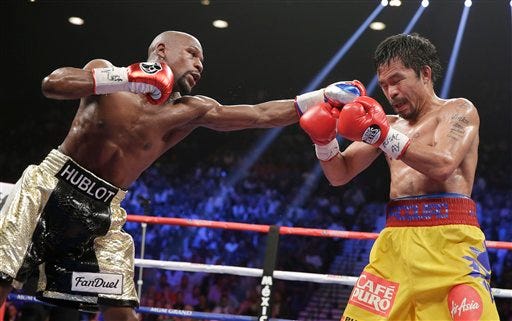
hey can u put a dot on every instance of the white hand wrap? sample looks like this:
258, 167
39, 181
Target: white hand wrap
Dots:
110, 80
395, 143
326, 152
310, 99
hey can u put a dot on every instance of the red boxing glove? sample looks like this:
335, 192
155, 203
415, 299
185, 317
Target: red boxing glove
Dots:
151, 78
365, 120
319, 122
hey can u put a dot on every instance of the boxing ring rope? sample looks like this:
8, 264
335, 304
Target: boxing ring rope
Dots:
244, 271
284, 230
254, 272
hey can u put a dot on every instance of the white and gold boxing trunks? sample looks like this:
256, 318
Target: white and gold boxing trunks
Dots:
64, 224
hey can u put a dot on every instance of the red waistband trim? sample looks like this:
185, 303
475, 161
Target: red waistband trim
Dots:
431, 212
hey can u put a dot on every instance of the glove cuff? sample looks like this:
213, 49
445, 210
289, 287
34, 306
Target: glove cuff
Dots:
395, 144
326, 152
310, 99
109, 80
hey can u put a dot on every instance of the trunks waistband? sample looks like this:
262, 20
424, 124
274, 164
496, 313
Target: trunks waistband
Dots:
67, 170
426, 211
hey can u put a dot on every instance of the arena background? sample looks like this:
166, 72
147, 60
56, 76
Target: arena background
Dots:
271, 50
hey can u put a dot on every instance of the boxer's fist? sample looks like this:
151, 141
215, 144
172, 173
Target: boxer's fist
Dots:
337, 94
151, 78
365, 120
343, 92
319, 122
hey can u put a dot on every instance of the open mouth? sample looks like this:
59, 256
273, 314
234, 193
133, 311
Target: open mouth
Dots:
399, 106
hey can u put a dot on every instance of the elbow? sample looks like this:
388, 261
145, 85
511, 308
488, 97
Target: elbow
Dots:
444, 171
337, 181
442, 174
50, 86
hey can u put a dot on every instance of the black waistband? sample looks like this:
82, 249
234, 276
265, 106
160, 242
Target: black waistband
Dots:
86, 182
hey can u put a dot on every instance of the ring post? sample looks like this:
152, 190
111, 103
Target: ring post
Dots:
269, 264
142, 250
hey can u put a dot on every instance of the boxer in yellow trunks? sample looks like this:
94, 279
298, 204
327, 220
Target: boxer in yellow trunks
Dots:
63, 218
430, 261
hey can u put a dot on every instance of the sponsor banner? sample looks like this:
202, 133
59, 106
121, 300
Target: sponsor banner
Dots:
374, 294
104, 283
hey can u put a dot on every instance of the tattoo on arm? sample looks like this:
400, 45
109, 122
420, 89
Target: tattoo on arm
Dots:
458, 126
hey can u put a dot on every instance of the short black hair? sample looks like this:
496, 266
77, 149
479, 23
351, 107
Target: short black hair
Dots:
413, 50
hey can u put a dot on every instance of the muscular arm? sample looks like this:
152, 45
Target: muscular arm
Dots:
219, 117
457, 130
70, 82
340, 169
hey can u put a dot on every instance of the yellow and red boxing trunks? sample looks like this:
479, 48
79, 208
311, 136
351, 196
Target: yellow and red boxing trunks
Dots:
63, 224
429, 263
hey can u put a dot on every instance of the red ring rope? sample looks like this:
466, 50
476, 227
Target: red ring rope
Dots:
282, 230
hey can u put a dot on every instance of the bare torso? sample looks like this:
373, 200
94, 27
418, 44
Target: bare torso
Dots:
117, 136
406, 181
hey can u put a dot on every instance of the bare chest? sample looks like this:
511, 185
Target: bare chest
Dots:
405, 180
423, 131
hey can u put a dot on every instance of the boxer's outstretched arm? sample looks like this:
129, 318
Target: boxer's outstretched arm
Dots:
275, 113
219, 117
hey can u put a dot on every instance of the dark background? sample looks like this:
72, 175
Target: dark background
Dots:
271, 50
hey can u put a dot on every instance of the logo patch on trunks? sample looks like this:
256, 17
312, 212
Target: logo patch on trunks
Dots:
105, 283
465, 303
86, 182
374, 294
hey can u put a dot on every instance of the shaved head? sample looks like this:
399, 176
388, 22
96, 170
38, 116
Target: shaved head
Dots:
183, 53
169, 38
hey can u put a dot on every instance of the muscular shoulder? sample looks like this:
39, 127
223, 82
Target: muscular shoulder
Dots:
461, 104
459, 108
98, 63
200, 104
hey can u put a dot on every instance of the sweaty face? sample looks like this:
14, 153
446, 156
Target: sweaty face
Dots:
402, 87
186, 60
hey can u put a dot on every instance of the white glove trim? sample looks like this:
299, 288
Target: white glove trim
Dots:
326, 152
395, 143
310, 99
110, 80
